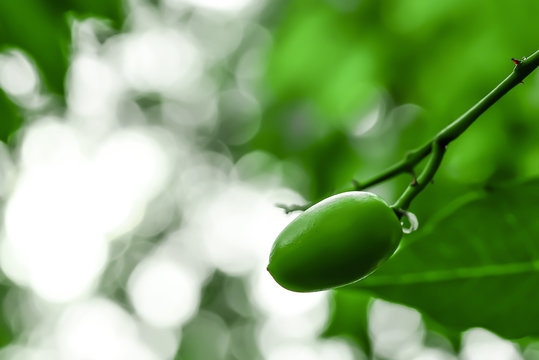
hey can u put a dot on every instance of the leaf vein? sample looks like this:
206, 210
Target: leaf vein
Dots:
463, 273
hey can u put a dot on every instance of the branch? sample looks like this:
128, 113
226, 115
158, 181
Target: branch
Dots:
438, 151
439, 143
407, 164
522, 69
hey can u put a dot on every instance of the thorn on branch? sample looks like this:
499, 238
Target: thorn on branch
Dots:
522, 82
357, 186
516, 61
414, 181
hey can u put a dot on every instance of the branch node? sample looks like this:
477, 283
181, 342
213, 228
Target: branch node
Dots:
357, 186
408, 155
414, 181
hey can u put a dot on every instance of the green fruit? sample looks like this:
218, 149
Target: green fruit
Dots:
335, 242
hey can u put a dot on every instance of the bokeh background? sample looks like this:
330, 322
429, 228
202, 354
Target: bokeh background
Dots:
146, 143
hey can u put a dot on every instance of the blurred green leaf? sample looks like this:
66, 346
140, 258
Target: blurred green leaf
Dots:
40, 29
319, 55
6, 332
9, 117
41, 32
204, 337
478, 266
112, 10
440, 336
224, 327
349, 318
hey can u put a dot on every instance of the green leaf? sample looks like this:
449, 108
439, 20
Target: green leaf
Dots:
478, 266
349, 318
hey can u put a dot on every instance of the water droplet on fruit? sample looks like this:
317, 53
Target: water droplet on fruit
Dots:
409, 222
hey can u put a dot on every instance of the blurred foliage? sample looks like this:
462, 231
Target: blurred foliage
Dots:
10, 118
41, 30
348, 318
328, 67
6, 329
224, 328
45, 36
441, 336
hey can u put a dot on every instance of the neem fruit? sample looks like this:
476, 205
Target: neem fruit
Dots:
335, 242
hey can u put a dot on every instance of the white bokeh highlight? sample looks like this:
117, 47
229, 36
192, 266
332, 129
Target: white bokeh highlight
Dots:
68, 203
229, 6
18, 77
98, 329
244, 223
164, 293
480, 344
396, 331
160, 60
